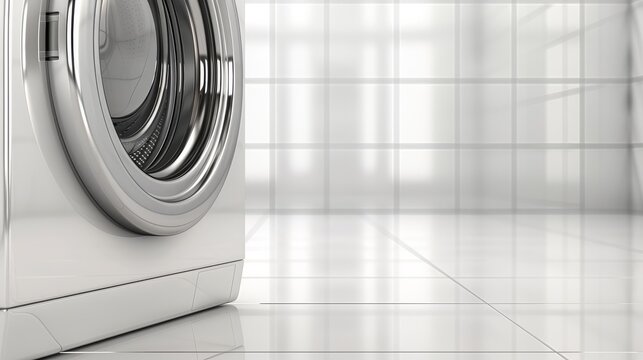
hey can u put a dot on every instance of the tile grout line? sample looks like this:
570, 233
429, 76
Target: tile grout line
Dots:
514, 105
457, 173
442, 211
435, 277
583, 159
273, 120
326, 84
438, 146
284, 303
395, 239
475, 2
631, 18
327, 138
273, 111
583, 271
514, 141
582, 110
314, 352
457, 105
396, 104
439, 80
273, 128
565, 105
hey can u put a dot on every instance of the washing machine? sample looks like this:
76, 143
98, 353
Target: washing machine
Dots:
122, 170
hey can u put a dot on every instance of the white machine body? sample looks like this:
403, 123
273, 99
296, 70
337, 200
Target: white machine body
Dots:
92, 245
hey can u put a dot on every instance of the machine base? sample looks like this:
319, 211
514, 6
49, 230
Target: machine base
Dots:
53, 326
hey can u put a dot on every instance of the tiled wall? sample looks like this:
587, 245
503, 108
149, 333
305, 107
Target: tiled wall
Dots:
637, 104
439, 105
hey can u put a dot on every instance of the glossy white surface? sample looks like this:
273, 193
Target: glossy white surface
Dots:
442, 104
56, 241
51, 326
419, 287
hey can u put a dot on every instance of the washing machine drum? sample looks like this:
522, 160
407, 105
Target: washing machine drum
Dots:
147, 95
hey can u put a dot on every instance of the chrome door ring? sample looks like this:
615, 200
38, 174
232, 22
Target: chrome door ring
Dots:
173, 192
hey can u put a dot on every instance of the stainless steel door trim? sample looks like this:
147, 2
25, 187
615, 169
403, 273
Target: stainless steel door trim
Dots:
138, 201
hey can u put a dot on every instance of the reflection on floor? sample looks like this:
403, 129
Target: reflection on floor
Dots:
419, 287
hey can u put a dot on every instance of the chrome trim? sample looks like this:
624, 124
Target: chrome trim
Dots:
140, 202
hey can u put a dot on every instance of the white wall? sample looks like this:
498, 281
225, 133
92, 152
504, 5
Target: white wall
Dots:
470, 104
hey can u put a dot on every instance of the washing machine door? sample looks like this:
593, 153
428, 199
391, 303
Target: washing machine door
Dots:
147, 96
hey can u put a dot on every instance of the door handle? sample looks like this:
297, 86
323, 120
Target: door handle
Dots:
49, 50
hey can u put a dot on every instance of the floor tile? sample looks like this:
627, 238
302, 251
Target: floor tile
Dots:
459, 245
516, 246
331, 328
375, 328
385, 267
254, 223
554, 290
369, 290
334, 246
212, 331
396, 286
604, 356
597, 329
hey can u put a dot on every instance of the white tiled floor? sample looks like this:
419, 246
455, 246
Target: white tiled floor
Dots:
419, 287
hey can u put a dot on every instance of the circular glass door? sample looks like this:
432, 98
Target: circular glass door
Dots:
149, 81
128, 48
153, 115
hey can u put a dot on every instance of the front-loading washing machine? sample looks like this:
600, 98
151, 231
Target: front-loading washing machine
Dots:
122, 174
